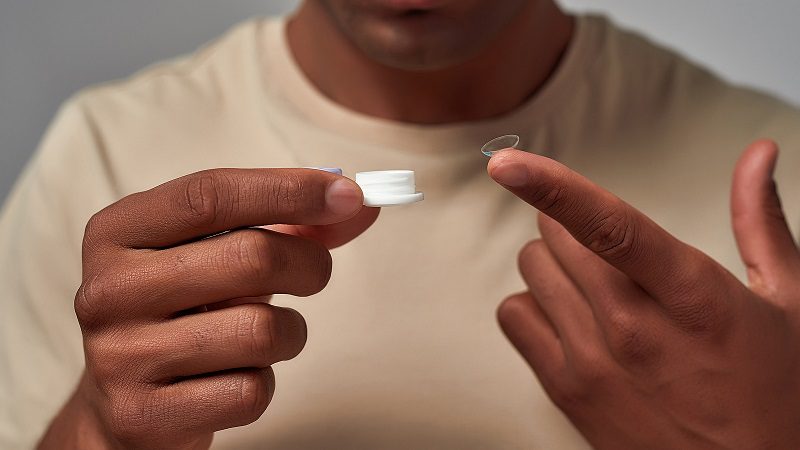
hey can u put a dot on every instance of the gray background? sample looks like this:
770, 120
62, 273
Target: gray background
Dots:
51, 48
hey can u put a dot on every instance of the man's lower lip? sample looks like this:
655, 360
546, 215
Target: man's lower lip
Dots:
421, 22
410, 5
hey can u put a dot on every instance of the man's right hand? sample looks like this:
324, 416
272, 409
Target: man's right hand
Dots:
177, 334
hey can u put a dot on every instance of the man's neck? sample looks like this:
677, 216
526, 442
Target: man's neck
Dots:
500, 78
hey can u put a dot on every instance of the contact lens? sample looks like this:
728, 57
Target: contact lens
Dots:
500, 143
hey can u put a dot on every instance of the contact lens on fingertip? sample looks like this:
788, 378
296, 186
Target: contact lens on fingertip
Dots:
500, 143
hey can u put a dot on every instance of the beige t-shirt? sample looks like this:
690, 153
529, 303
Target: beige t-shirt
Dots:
403, 349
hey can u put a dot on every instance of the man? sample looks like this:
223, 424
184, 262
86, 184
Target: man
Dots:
635, 331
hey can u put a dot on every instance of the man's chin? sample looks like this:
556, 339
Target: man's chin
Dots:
420, 42
422, 35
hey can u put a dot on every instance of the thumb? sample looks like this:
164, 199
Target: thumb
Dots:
333, 235
762, 235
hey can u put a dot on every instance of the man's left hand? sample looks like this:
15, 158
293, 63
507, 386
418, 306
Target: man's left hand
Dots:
644, 341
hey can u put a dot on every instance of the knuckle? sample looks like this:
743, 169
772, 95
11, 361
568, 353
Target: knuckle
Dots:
611, 235
697, 310
93, 227
250, 254
93, 298
570, 393
286, 195
86, 308
203, 193
95, 230
591, 370
699, 317
256, 256
631, 342
253, 395
259, 331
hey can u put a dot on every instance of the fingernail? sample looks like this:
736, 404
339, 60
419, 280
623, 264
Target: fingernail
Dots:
343, 197
511, 174
335, 170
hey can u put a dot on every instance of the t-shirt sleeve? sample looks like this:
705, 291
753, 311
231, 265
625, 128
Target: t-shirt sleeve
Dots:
41, 229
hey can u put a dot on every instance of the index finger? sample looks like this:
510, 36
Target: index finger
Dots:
600, 221
217, 200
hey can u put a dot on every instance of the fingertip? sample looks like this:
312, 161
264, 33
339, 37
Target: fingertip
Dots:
502, 157
297, 331
759, 225
508, 169
511, 310
343, 197
269, 374
765, 145
530, 332
754, 169
761, 154
527, 256
529, 248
